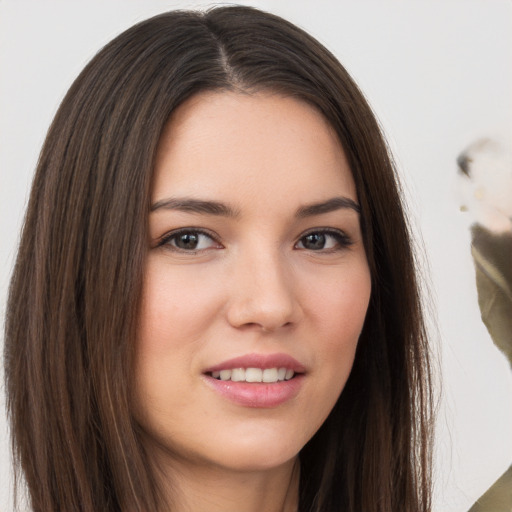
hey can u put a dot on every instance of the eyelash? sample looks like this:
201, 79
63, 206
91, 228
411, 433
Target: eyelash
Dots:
342, 240
173, 235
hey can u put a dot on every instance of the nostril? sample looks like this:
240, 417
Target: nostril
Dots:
463, 162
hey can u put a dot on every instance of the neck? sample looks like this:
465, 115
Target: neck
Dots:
202, 488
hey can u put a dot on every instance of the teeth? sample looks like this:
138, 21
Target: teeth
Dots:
225, 375
268, 375
253, 374
237, 374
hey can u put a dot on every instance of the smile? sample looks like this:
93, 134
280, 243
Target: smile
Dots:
267, 375
257, 380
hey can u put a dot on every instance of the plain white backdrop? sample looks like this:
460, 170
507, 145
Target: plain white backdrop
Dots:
438, 75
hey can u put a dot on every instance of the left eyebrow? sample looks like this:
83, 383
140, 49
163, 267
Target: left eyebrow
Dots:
336, 203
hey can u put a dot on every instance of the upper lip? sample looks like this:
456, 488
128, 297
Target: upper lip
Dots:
263, 361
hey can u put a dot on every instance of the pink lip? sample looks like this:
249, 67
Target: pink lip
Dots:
260, 394
259, 361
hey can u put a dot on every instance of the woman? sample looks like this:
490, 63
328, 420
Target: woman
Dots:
178, 337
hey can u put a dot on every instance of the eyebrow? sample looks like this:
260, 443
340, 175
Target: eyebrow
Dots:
336, 203
221, 209
195, 206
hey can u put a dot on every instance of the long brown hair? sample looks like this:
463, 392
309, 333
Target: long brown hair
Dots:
75, 291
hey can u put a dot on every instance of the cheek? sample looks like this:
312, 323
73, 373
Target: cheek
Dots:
339, 312
176, 311
177, 305
339, 306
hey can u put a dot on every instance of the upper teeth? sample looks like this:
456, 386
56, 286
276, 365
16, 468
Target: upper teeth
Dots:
254, 374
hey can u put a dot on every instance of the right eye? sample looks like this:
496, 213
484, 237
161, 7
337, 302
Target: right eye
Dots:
189, 240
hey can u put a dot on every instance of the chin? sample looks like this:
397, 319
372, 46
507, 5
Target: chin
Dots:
255, 461
256, 451
250, 446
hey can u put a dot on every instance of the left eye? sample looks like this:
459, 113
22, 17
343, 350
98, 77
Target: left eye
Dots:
189, 241
323, 240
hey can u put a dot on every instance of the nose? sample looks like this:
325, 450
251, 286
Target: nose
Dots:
263, 294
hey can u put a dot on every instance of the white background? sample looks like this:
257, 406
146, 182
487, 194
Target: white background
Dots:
438, 74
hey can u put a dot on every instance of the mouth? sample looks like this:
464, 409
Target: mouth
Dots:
257, 380
256, 368
266, 375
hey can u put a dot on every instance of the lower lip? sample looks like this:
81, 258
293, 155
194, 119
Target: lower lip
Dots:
258, 394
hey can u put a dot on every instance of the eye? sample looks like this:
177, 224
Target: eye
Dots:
328, 240
189, 240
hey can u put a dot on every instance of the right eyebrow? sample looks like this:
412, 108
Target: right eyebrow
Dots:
186, 204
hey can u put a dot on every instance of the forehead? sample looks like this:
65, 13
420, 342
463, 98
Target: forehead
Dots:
222, 143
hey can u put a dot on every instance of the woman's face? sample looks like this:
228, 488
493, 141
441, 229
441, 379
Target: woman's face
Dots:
256, 271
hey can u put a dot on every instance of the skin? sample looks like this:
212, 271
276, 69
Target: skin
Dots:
254, 284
